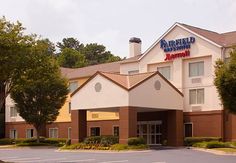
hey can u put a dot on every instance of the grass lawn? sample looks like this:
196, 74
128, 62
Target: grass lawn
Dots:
227, 150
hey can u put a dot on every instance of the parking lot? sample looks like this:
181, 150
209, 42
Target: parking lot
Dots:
48, 155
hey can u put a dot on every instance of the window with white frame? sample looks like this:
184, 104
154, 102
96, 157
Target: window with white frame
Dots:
196, 69
13, 134
165, 71
29, 133
73, 86
69, 132
133, 72
13, 111
116, 130
196, 96
53, 132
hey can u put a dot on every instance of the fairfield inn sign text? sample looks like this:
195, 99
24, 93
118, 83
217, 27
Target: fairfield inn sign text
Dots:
177, 45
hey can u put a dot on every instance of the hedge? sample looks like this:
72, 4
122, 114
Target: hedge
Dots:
189, 141
212, 144
136, 141
102, 140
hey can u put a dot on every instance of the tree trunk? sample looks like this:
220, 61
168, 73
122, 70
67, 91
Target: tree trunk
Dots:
37, 128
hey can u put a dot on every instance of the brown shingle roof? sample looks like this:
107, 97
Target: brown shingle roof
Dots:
88, 71
127, 81
223, 39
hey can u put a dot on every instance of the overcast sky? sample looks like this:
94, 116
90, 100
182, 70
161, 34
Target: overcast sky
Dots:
113, 22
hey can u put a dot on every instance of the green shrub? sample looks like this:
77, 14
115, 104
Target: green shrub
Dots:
68, 142
215, 144
93, 140
109, 140
136, 141
200, 144
54, 141
102, 140
6, 141
189, 141
138, 147
119, 147
32, 144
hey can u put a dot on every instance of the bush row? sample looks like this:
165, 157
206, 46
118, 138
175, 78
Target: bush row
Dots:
49, 141
214, 144
189, 141
102, 140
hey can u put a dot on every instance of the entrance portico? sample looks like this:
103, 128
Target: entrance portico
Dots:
140, 100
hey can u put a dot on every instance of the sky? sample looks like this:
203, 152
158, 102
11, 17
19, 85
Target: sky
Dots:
113, 22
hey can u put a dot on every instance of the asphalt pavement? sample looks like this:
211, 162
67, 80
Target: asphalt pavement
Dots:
52, 155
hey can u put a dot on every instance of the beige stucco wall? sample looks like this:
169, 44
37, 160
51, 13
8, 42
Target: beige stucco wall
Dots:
88, 98
201, 50
145, 95
125, 68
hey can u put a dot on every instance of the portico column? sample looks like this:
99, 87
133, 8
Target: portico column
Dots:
175, 128
78, 125
127, 124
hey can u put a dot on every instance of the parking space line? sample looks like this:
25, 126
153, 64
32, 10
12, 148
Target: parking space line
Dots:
8, 157
87, 160
114, 161
22, 159
45, 160
158, 162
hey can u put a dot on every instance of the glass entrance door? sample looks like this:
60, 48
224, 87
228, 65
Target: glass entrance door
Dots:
150, 131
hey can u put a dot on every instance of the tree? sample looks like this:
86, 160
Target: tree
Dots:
13, 45
97, 54
225, 82
71, 43
71, 58
40, 91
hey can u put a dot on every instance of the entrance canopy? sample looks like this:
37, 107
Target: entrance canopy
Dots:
109, 90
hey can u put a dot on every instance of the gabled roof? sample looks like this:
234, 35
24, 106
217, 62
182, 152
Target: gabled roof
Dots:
218, 39
74, 73
127, 82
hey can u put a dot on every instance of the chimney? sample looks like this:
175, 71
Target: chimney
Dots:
134, 46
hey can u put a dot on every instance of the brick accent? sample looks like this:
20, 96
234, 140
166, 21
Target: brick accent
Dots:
128, 123
21, 128
229, 126
62, 128
106, 126
206, 123
78, 125
175, 128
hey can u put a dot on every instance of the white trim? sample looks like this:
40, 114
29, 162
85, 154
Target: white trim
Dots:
26, 132
172, 27
53, 128
69, 133
192, 127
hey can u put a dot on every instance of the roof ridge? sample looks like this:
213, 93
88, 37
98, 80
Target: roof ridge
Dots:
127, 74
200, 28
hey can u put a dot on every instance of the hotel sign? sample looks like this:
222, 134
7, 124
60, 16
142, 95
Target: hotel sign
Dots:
177, 45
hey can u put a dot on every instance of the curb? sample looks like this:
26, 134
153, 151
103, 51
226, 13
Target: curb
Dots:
216, 152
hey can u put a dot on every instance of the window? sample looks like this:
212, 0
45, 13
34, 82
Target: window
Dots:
69, 132
73, 86
13, 111
196, 96
95, 131
29, 133
196, 69
188, 129
165, 71
133, 72
13, 134
116, 130
69, 107
53, 133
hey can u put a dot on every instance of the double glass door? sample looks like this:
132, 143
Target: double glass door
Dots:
150, 131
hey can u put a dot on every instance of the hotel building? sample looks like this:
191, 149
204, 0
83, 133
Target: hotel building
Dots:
164, 94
